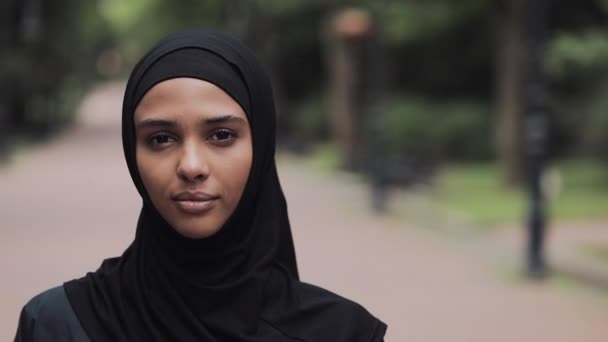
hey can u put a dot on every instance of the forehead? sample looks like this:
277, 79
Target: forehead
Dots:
178, 96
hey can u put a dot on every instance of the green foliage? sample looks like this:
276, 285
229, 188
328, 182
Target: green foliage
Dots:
140, 23
417, 20
278, 8
594, 130
124, 15
311, 118
570, 52
580, 114
324, 157
439, 49
438, 129
48, 64
478, 191
584, 176
596, 137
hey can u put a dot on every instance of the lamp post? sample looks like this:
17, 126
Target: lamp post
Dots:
536, 132
373, 93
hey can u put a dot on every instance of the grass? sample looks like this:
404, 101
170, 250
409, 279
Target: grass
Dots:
324, 157
477, 190
598, 252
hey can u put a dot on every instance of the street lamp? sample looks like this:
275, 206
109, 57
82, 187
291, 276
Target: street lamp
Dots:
536, 131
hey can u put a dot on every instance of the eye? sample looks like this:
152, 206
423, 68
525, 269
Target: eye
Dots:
222, 137
160, 139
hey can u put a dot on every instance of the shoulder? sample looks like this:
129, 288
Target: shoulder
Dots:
49, 316
327, 316
336, 304
50, 306
53, 298
315, 296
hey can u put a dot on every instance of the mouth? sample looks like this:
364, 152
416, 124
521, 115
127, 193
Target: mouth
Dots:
194, 202
194, 207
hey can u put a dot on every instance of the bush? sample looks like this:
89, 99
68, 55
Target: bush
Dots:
307, 122
422, 128
594, 131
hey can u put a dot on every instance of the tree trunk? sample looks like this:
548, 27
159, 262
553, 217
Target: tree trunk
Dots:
343, 79
510, 104
344, 38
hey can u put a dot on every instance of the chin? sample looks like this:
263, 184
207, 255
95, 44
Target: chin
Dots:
198, 231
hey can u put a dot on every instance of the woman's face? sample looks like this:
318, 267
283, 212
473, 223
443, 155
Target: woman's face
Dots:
194, 153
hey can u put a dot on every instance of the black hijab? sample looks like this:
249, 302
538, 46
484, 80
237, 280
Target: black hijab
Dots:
240, 284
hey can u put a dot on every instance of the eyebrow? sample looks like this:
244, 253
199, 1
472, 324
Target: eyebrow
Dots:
222, 119
156, 123
171, 123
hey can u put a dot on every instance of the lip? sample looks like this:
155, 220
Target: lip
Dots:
195, 202
193, 196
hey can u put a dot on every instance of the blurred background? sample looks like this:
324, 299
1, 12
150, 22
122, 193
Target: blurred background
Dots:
445, 162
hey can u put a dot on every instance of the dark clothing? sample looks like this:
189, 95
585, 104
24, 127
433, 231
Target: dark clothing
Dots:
240, 284
49, 317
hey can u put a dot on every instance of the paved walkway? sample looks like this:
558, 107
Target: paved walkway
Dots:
67, 205
575, 248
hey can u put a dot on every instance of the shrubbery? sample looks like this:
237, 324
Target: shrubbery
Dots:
439, 129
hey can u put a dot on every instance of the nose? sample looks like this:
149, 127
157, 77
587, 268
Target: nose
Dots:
192, 165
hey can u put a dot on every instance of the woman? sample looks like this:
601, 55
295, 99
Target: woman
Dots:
213, 257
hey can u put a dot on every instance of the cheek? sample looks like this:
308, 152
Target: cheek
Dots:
235, 172
153, 173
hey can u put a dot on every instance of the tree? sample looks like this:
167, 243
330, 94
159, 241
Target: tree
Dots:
509, 87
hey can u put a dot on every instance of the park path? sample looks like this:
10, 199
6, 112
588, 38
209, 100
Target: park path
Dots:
68, 204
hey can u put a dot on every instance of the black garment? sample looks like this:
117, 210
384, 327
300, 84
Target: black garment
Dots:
49, 317
240, 284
